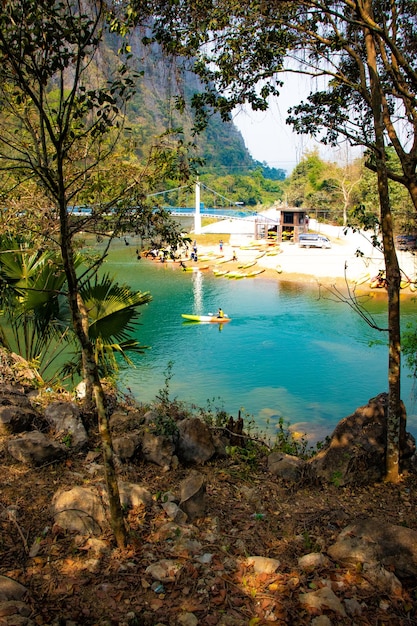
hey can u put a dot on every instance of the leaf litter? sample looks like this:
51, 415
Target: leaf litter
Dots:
87, 581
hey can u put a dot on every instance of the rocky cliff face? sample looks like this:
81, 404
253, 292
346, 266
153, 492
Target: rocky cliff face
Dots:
152, 111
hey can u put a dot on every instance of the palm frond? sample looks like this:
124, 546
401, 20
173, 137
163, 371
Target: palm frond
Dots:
112, 309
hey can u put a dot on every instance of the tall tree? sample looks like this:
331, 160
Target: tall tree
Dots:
345, 182
308, 185
61, 118
55, 115
362, 52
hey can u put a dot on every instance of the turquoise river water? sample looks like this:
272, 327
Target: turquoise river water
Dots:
286, 353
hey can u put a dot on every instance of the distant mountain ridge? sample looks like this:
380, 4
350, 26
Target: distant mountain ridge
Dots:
152, 111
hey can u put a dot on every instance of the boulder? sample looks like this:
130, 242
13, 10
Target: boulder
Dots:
127, 446
133, 495
262, 564
289, 468
64, 418
83, 509
374, 542
80, 509
35, 448
15, 419
11, 590
220, 443
14, 395
122, 422
15, 608
356, 450
195, 443
193, 496
77, 522
174, 512
16, 412
157, 449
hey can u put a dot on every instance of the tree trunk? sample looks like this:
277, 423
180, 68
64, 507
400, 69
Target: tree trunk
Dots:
412, 188
92, 379
88, 399
393, 277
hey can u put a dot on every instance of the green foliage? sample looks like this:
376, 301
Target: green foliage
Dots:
251, 189
289, 443
323, 188
113, 312
67, 440
362, 218
35, 315
409, 347
251, 45
247, 455
253, 446
336, 478
272, 173
214, 416
161, 107
168, 411
34, 318
164, 425
163, 395
305, 181
112, 308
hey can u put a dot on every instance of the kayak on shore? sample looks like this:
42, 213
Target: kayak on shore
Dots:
205, 318
195, 268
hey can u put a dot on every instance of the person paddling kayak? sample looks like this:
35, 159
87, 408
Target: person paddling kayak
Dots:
220, 313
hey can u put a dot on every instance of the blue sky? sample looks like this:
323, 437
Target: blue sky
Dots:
268, 138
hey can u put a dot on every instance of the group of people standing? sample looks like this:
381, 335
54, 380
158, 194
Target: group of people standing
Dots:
165, 254
194, 256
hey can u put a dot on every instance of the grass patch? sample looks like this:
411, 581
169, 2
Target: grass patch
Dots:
211, 239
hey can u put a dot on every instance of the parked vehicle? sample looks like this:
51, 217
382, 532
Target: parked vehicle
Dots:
313, 240
406, 242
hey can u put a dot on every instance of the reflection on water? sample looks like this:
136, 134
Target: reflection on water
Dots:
197, 281
286, 353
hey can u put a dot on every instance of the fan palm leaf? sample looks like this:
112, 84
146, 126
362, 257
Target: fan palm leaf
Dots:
33, 306
112, 309
112, 317
36, 315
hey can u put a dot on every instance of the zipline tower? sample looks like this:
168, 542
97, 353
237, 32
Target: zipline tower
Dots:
197, 216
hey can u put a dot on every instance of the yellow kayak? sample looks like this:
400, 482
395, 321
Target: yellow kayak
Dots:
205, 318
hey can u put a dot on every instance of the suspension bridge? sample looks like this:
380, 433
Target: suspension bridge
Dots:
199, 210
228, 210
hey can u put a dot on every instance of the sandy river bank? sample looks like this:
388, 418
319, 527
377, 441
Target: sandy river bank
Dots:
351, 261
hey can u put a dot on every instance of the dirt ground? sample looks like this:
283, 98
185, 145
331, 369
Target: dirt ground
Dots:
76, 580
